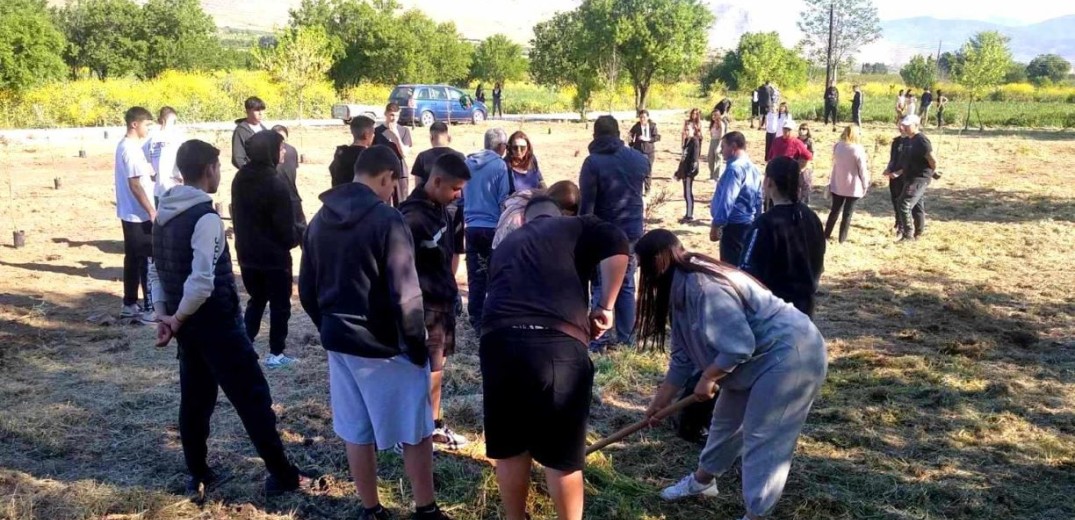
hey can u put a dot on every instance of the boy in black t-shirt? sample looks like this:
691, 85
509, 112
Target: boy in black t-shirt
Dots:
438, 235
423, 163
342, 168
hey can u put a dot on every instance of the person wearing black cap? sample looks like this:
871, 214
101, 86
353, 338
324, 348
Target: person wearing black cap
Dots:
359, 286
342, 169
265, 234
536, 374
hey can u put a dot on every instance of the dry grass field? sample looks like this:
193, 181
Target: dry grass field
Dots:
951, 392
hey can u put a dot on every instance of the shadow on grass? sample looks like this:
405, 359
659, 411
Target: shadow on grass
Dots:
111, 247
93, 270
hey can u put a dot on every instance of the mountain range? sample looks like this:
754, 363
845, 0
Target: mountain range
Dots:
922, 35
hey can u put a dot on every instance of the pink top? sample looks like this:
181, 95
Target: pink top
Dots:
850, 170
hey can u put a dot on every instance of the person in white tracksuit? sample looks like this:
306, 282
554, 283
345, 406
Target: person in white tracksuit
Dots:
768, 357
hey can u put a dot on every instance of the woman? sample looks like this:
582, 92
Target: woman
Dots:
526, 175
806, 174
718, 126
479, 94
774, 124
900, 106
849, 180
768, 358
564, 193
941, 103
785, 247
497, 93
688, 165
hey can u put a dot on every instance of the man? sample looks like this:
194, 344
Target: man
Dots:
441, 142
437, 233
856, 106
489, 187
832, 104
537, 377
134, 186
755, 108
942, 102
198, 304
643, 135
245, 128
289, 169
161, 148
765, 98
610, 186
788, 145
895, 184
737, 201
342, 169
359, 285
398, 138
265, 234
918, 167
927, 101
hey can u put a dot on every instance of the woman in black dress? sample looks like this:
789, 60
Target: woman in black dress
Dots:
688, 165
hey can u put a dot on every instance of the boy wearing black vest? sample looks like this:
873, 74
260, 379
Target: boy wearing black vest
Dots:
198, 304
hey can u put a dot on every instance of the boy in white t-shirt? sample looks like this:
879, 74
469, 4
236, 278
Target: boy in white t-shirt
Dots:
161, 148
134, 207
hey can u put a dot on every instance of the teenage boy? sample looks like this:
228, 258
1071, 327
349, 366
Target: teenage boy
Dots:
342, 169
483, 199
437, 233
134, 207
245, 128
856, 106
537, 377
289, 169
441, 142
198, 304
359, 285
398, 138
265, 234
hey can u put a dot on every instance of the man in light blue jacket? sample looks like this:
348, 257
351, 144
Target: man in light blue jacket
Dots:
737, 201
483, 196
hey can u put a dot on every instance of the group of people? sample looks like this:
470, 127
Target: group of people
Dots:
550, 279
498, 97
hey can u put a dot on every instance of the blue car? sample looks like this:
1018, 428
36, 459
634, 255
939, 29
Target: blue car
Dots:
426, 104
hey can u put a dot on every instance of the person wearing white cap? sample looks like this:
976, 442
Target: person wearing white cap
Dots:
788, 145
916, 166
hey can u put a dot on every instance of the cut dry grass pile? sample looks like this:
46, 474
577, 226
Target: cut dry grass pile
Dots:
951, 390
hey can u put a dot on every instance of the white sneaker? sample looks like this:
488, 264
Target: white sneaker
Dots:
444, 436
688, 487
279, 360
130, 311
149, 318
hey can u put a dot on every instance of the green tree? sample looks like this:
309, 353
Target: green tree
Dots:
761, 57
1016, 73
30, 45
104, 36
653, 39
180, 36
920, 72
855, 24
498, 59
985, 61
300, 59
1049, 67
558, 56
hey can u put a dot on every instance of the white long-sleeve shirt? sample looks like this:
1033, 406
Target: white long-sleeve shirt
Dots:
208, 243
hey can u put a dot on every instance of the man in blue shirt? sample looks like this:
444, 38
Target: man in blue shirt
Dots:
488, 188
737, 201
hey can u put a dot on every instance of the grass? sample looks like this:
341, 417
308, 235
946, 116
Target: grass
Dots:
950, 395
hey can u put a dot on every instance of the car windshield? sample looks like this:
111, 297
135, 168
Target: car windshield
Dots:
454, 94
401, 94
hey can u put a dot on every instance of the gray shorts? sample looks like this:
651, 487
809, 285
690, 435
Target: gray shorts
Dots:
379, 401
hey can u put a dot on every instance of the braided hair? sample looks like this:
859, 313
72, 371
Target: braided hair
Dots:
784, 172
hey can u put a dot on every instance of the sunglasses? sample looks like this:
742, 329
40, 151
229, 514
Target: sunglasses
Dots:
519, 147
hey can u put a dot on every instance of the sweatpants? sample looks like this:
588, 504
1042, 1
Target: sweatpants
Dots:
651, 156
624, 310
762, 423
731, 242
688, 196
226, 359
714, 159
847, 204
830, 111
856, 115
272, 287
137, 248
479, 246
913, 208
768, 144
895, 189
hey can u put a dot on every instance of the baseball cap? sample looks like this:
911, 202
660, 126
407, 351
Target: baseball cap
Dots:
789, 125
910, 120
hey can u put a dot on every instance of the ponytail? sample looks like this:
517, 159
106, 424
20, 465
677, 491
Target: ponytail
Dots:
785, 174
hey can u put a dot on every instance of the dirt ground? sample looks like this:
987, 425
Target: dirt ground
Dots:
951, 391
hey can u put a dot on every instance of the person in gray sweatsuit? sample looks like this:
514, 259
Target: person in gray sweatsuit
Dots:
767, 356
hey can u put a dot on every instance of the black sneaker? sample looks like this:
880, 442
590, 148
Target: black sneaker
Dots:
378, 514
301, 482
434, 514
198, 487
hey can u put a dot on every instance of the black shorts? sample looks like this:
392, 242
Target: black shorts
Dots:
754, 109
440, 336
536, 386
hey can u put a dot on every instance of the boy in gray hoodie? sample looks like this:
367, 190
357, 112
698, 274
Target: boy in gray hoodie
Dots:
245, 128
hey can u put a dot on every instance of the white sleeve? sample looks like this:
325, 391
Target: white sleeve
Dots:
137, 166
208, 244
155, 288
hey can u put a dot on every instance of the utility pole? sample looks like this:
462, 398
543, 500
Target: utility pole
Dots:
828, 61
937, 63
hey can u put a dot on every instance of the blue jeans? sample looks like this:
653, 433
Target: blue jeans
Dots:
624, 310
731, 242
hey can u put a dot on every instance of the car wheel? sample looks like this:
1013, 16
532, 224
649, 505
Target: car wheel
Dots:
478, 117
428, 119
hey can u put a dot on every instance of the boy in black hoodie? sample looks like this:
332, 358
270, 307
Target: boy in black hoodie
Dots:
198, 304
342, 169
359, 285
245, 128
437, 231
265, 234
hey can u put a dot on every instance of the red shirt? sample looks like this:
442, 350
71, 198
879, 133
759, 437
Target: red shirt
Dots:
789, 147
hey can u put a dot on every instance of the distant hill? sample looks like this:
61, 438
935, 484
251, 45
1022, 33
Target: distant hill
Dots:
921, 35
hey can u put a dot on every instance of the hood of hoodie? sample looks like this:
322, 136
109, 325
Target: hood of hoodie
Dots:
179, 199
606, 144
347, 204
484, 157
263, 148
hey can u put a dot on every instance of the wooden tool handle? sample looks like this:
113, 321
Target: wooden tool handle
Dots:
634, 427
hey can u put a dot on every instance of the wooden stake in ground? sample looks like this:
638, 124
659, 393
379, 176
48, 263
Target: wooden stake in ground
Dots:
630, 430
